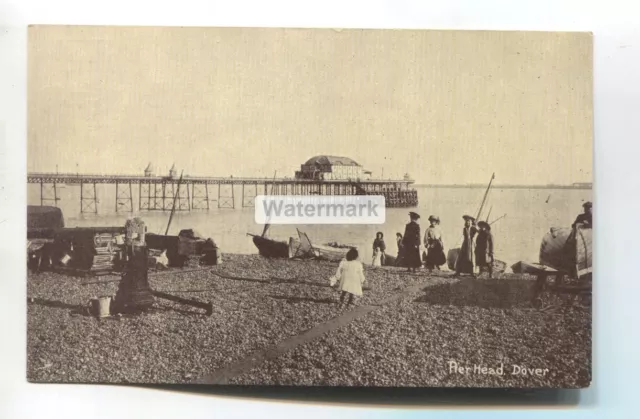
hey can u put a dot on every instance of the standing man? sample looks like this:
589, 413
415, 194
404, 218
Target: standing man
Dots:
411, 243
585, 218
484, 248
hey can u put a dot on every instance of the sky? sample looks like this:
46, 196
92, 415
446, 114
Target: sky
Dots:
443, 106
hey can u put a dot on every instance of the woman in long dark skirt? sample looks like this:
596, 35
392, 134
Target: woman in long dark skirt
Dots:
466, 259
433, 242
411, 243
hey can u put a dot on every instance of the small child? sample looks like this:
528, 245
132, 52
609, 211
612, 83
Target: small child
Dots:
400, 249
378, 250
349, 277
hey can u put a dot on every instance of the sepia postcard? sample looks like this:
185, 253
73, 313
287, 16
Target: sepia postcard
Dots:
309, 207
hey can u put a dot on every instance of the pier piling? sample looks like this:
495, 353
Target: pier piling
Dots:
200, 196
49, 194
249, 198
124, 198
88, 198
226, 198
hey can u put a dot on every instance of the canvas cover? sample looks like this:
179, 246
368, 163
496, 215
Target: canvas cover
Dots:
42, 221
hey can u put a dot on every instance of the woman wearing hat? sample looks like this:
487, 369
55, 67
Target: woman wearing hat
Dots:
378, 250
466, 259
484, 247
433, 243
411, 243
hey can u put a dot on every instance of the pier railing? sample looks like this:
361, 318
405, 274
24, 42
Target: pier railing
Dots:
192, 193
71, 178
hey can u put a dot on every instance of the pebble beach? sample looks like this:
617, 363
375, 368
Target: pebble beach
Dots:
278, 322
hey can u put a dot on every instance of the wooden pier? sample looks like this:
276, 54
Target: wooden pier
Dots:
158, 193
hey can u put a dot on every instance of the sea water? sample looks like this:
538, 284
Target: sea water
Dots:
528, 216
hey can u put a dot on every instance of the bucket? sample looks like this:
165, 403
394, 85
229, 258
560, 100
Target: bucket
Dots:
101, 306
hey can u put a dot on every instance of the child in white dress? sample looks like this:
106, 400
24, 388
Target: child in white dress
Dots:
349, 277
378, 250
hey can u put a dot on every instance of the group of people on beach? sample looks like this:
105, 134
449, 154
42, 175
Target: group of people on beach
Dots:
476, 249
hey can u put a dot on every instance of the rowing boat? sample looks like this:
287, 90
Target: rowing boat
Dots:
271, 248
330, 253
302, 248
299, 248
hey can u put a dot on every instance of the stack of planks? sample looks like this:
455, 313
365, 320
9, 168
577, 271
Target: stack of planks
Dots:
103, 261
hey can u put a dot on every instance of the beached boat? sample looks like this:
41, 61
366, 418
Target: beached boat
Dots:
299, 248
568, 250
330, 253
302, 248
271, 248
523, 267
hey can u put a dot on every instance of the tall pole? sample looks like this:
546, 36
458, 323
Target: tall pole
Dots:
489, 214
493, 176
174, 205
267, 225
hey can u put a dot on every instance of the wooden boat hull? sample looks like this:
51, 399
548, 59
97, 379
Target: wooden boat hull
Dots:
568, 250
271, 248
332, 254
318, 251
523, 267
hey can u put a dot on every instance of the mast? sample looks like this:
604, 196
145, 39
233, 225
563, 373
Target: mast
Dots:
484, 200
173, 208
267, 225
489, 214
